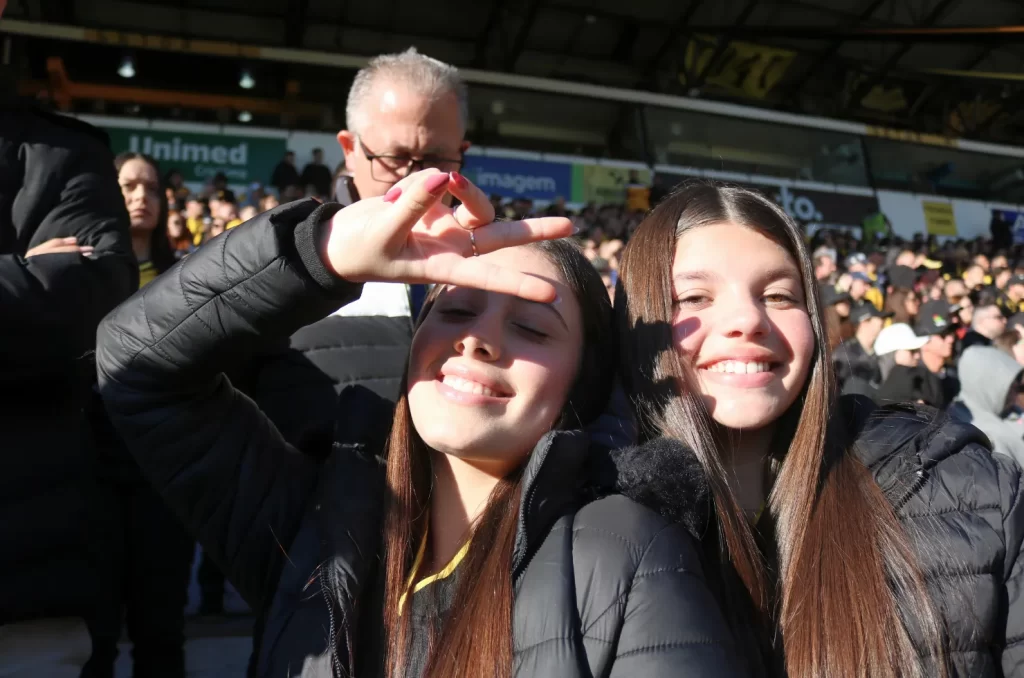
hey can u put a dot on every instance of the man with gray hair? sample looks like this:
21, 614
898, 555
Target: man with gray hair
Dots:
405, 112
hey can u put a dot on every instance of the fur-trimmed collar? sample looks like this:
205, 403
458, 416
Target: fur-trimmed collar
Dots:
662, 474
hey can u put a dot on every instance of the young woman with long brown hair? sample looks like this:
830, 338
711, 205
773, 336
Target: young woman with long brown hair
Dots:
477, 548
850, 541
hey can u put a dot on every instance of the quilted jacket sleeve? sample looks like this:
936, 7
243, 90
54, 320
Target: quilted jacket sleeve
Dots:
672, 626
1012, 654
212, 454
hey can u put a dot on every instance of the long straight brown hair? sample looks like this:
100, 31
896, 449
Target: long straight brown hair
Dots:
849, 580
475, 641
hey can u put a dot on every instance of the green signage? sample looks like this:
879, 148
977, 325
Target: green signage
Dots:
200, 156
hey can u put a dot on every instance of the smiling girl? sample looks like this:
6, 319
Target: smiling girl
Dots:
851, 541
475, 548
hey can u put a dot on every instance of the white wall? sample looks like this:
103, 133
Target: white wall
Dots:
906, 213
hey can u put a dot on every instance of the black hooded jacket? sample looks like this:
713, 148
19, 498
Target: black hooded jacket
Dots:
963, 505
603, 586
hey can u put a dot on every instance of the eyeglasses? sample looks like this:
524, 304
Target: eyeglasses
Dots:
392, 168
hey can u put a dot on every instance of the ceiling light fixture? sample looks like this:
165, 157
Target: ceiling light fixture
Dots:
246, 81
245, 116
127, 68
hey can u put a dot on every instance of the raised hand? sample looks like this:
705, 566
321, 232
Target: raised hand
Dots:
410, 236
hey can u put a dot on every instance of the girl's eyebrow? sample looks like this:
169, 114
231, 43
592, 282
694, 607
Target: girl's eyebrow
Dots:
770, 275
693, 275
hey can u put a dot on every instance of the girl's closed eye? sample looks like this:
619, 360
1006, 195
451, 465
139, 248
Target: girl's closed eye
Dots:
455, 312
531, 331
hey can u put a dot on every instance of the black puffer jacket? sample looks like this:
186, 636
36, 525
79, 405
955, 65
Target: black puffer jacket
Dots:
56, 180
603, 586
965, 505
296, 380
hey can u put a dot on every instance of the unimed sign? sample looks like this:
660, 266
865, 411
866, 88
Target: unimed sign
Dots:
200, 156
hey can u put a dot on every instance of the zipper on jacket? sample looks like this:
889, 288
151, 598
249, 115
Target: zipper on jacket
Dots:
335, 662
331, 603
524, 561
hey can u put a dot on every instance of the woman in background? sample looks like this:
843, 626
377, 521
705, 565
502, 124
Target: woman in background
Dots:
153, 558
139, 178
904, 306
178, 235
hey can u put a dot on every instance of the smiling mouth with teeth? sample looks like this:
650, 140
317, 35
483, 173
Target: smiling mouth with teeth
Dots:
739, 367
467, 386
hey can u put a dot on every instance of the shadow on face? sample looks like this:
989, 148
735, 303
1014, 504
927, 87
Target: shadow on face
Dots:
489, 374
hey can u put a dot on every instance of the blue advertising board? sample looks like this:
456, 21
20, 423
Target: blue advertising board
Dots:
515, 178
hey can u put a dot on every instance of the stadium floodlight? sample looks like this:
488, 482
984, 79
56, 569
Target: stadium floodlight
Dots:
127, 68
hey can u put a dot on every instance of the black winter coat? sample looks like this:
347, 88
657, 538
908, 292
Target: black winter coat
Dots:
964, 504
602, 586
296, 380
56, 180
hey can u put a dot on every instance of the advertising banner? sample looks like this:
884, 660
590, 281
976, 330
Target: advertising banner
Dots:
516, 178
201, 156
742, 68
939, 218
602, 184
824, 209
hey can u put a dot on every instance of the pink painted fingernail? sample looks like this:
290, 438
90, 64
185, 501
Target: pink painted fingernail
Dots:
459, 180
393, 194
435, 183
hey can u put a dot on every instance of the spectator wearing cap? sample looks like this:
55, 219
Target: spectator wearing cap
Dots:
902, 278
906, 381
862, 291
987, 320
856, 366
825, 264
937, 322
990, 381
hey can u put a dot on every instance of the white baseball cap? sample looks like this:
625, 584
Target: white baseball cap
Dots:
898, 337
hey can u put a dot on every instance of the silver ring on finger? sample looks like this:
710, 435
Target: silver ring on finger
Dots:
472, 241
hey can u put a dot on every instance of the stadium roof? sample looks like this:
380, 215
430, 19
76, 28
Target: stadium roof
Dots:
950, 67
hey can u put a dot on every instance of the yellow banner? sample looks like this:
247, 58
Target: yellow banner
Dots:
604, 185
743, 68
912, 137
939, 218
